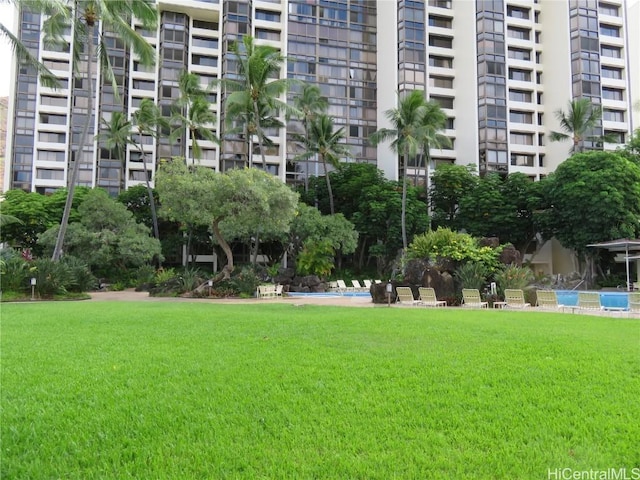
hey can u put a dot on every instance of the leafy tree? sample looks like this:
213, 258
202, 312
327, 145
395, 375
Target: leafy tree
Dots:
88, 18
256, 89
316, 258
592, 197
407, 138
631, 150
107, 238
449, 184
116, 135
237, 200
326, 142
579, 123
433, 122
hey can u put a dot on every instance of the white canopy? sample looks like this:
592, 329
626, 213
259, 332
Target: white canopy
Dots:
625, 245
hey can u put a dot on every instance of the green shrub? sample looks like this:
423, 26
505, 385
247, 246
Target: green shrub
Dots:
472, 275
245, 282
14, 273
52, 278
82, 278
163, 276
145, 277
316, 258
190, 279
512, 276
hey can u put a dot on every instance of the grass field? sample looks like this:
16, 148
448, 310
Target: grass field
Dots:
186, 390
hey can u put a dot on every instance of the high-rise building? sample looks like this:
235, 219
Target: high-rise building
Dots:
500, 69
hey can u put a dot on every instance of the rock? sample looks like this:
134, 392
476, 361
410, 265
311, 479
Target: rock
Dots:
510, 256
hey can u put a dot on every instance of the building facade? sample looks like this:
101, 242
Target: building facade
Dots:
498, 68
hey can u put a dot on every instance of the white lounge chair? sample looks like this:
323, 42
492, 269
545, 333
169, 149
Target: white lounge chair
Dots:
634, 303
367, 284
428, 298
471, 298
356, 286
548, 299
514, 298
589, 301
342, 287
405, 296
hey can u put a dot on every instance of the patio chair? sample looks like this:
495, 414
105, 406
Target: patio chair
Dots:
589, 301
548, 299
634, 302
342, 287
471, 298
367, 284
428, 298
279, 289
356, 286
377, 281
333, 286
514, 298
405, 296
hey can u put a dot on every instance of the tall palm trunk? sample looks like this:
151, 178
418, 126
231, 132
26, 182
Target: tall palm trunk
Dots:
329, 190
152, 202
260, 135
403, 219
57, 250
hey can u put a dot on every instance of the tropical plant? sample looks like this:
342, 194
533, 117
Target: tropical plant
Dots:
255, 91
316, 258
323, 140
407, 138
513, 276
192, 110
471, 275
579, 123
87, 19
116, 135
433, 122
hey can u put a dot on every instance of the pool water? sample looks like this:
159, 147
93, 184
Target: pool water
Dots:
607, 299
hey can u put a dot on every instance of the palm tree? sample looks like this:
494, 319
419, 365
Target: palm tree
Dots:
193, 112
407, 138
310, 103
578, 123
116, 135
257, 87
433, 122
322, 139
84, 21
148, 121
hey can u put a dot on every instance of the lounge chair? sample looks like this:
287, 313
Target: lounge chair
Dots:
357, 287
514, 298
377, 281
589, 301
428, 298
471, 298
342, 287
279, 289
405, 296
548, 299
367, 284
333, 286
634, 303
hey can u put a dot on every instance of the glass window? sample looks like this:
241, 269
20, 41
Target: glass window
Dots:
609, 51
608, 9
613, 115
518, 33
609, 30
520, 117
519, 53
520, 96
612, 93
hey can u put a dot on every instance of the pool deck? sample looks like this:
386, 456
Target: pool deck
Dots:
337, 300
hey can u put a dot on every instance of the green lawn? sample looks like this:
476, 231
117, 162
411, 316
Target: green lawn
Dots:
192, 390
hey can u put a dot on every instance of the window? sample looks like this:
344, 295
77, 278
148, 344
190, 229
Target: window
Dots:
440, 3
53, 119
612, 72
205, 25
613, 115
264, 34
440, 82
521, 138
143, 85
519, 53
519, 75
50, 156
442, 42
441, 62
494, 156
612, 94
522, 159
520, 96
518, 12
173, 54
617, 137
52, 137
267, 15
609, 51
49, 174
609, 30
608, 9
441, 22
520, 117
444, 102
205, 42
53, 101
204, 60
518, 33
139, 175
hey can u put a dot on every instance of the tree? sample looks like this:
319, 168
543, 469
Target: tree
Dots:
631, 150
109, 16
257, 86
579, 123
433, 122
107, 238
449, 184
193, 112
324, 141
116, 135
407, 137
236, 200
591, 197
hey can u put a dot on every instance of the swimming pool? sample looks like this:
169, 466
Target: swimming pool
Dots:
329, 294
607, 299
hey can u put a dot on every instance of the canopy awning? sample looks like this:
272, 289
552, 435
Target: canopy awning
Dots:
624, 245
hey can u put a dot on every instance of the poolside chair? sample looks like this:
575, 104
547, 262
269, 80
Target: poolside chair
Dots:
589, 301
279, 290
405, 296
634, 303
428, 298
548, 299
333, 286
357, 287
471, 298
367, 284
377, 281
514, 298
342, 287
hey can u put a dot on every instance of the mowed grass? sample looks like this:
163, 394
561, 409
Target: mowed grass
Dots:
192, 390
